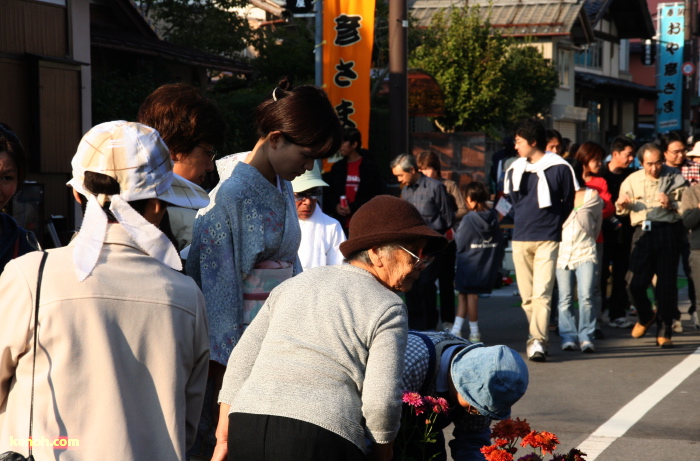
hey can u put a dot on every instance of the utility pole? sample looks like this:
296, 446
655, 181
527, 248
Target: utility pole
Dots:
398, 77
318, 50
690, 54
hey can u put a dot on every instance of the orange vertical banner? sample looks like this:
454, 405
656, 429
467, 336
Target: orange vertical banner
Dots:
348, 35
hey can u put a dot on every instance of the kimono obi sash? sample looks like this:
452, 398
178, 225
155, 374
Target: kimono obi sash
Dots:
264, 277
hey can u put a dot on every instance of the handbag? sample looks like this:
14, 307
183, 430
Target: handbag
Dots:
11, 455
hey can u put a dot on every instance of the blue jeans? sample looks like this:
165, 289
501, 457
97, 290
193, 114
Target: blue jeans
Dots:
584, 276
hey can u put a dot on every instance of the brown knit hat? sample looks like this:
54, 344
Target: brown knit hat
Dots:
386, 219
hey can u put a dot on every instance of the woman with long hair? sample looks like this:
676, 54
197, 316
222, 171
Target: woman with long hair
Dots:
576, 266
591, 156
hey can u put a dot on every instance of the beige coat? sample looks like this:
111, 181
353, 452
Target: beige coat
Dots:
122, 357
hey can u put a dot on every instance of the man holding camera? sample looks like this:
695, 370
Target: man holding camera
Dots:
651, 198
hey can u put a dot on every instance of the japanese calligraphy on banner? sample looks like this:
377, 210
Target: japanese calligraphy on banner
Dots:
348, 34
670, 58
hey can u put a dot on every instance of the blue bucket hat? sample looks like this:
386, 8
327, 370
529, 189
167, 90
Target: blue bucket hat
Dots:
491, 378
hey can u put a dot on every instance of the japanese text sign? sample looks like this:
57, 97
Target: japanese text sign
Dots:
669, 79
348, 35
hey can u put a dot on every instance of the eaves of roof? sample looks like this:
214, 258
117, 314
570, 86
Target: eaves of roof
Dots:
603, 83
134, 43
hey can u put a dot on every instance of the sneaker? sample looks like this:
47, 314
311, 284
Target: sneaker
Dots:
475, 337
694, 319
587, 347
456, 333
677, 326
621, 323
633, 311
569, 346
447, 326
535, 351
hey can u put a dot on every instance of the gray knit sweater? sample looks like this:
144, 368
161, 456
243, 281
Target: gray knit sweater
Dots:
326, 348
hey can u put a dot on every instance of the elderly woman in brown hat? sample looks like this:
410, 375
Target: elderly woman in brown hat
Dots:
320, 366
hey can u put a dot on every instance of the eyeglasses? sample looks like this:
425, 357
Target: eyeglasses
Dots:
301, 197
421, 263
213, 153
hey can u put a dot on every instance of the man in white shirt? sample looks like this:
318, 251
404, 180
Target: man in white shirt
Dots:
320, 234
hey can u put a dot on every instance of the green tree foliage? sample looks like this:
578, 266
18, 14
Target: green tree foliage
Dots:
213, 26
286, 50
489, 81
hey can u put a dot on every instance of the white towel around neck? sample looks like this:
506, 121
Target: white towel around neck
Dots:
521, 165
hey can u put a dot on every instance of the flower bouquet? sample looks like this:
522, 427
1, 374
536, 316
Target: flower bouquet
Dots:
417, 432
506, 434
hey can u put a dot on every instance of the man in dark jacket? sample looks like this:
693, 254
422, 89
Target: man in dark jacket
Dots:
355, 176
436, 207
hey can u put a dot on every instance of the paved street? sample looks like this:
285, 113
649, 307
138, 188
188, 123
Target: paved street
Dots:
575, 395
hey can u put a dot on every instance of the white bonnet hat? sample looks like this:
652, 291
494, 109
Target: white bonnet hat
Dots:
138, 159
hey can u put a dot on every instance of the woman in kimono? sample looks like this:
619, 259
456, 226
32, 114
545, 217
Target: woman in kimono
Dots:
479, 255
245, 242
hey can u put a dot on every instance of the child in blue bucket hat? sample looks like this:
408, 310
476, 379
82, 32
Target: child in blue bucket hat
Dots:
480, 383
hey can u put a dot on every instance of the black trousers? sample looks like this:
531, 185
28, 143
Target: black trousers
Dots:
656, 252
446, 282
421, 300
685, 262
276, 438
616, 251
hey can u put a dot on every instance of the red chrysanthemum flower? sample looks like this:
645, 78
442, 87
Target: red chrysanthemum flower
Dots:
493, 453
503, 430
521, 428
510, 429
546, 441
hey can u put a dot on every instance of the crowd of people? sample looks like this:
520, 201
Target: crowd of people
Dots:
284, 313
580, 222
244, 322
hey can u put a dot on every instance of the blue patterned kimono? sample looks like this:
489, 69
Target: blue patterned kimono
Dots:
248, 221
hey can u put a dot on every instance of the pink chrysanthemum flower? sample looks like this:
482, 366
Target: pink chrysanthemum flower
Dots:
413, 399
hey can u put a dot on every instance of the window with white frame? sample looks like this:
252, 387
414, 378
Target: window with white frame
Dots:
591, 56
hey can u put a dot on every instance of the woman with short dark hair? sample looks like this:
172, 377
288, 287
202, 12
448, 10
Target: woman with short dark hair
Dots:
245, 243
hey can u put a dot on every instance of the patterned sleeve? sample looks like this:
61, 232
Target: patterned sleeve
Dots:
416, 362
227, 239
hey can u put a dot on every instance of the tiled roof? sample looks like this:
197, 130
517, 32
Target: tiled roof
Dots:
517, 18
596, 9
550, 17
